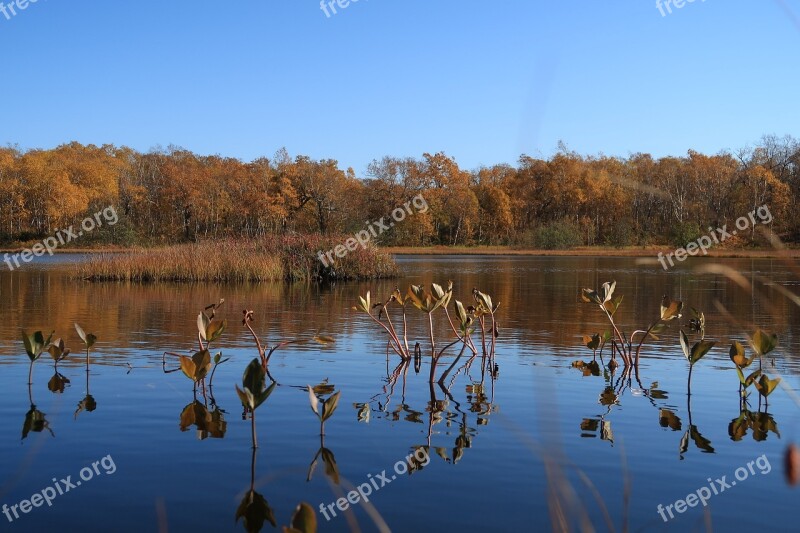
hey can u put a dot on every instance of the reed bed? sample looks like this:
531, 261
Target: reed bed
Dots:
288, 258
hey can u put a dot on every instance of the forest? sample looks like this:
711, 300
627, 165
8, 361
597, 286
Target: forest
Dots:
169, 196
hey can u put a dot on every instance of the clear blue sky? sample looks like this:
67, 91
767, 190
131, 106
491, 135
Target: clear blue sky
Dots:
482, 81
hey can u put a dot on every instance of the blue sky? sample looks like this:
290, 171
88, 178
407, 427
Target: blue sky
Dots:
482, 81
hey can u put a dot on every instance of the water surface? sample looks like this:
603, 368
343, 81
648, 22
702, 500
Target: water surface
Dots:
506, 453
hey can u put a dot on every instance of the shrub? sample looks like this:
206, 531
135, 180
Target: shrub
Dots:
684, 233
559, 235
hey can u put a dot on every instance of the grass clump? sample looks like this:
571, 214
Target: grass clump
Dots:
289, 258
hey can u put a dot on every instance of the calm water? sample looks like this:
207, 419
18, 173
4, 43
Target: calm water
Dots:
511, 453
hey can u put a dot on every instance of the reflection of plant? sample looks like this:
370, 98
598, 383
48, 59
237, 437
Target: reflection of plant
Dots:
255, 510
211, 424
253, 392
328, 406
35, 421
34, 346
761, 424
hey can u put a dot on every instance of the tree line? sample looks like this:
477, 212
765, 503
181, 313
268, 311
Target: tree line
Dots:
173, 195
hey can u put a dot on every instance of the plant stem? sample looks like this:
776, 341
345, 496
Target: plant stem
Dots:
430, 321
253, 429
30, 373
691, 366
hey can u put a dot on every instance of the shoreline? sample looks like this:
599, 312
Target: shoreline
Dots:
583, 251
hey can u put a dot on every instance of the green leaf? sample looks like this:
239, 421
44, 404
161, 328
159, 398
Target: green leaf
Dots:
304, 519
763, 342
312, 398
330, 406
254, 377
685, 346
700, 349
28, 342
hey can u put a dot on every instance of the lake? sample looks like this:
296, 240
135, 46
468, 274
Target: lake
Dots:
521, 446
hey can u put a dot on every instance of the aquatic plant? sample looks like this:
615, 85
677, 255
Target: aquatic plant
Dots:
620, 343
480, 316
199, 365
762, 344
34, 346
694, 354
254, 392
323, 408
88, 340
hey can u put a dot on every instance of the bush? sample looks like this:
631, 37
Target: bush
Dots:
684, 233
621, 234
557, 236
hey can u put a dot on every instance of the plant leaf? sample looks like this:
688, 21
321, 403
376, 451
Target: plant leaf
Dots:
304, 519
670, 309
312, 398
262, 397
215, 329
81, 333
246, 397
254, 377
330, 406
188, 367
700, 349
202, 325
765, 385
685, 346
763, 342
